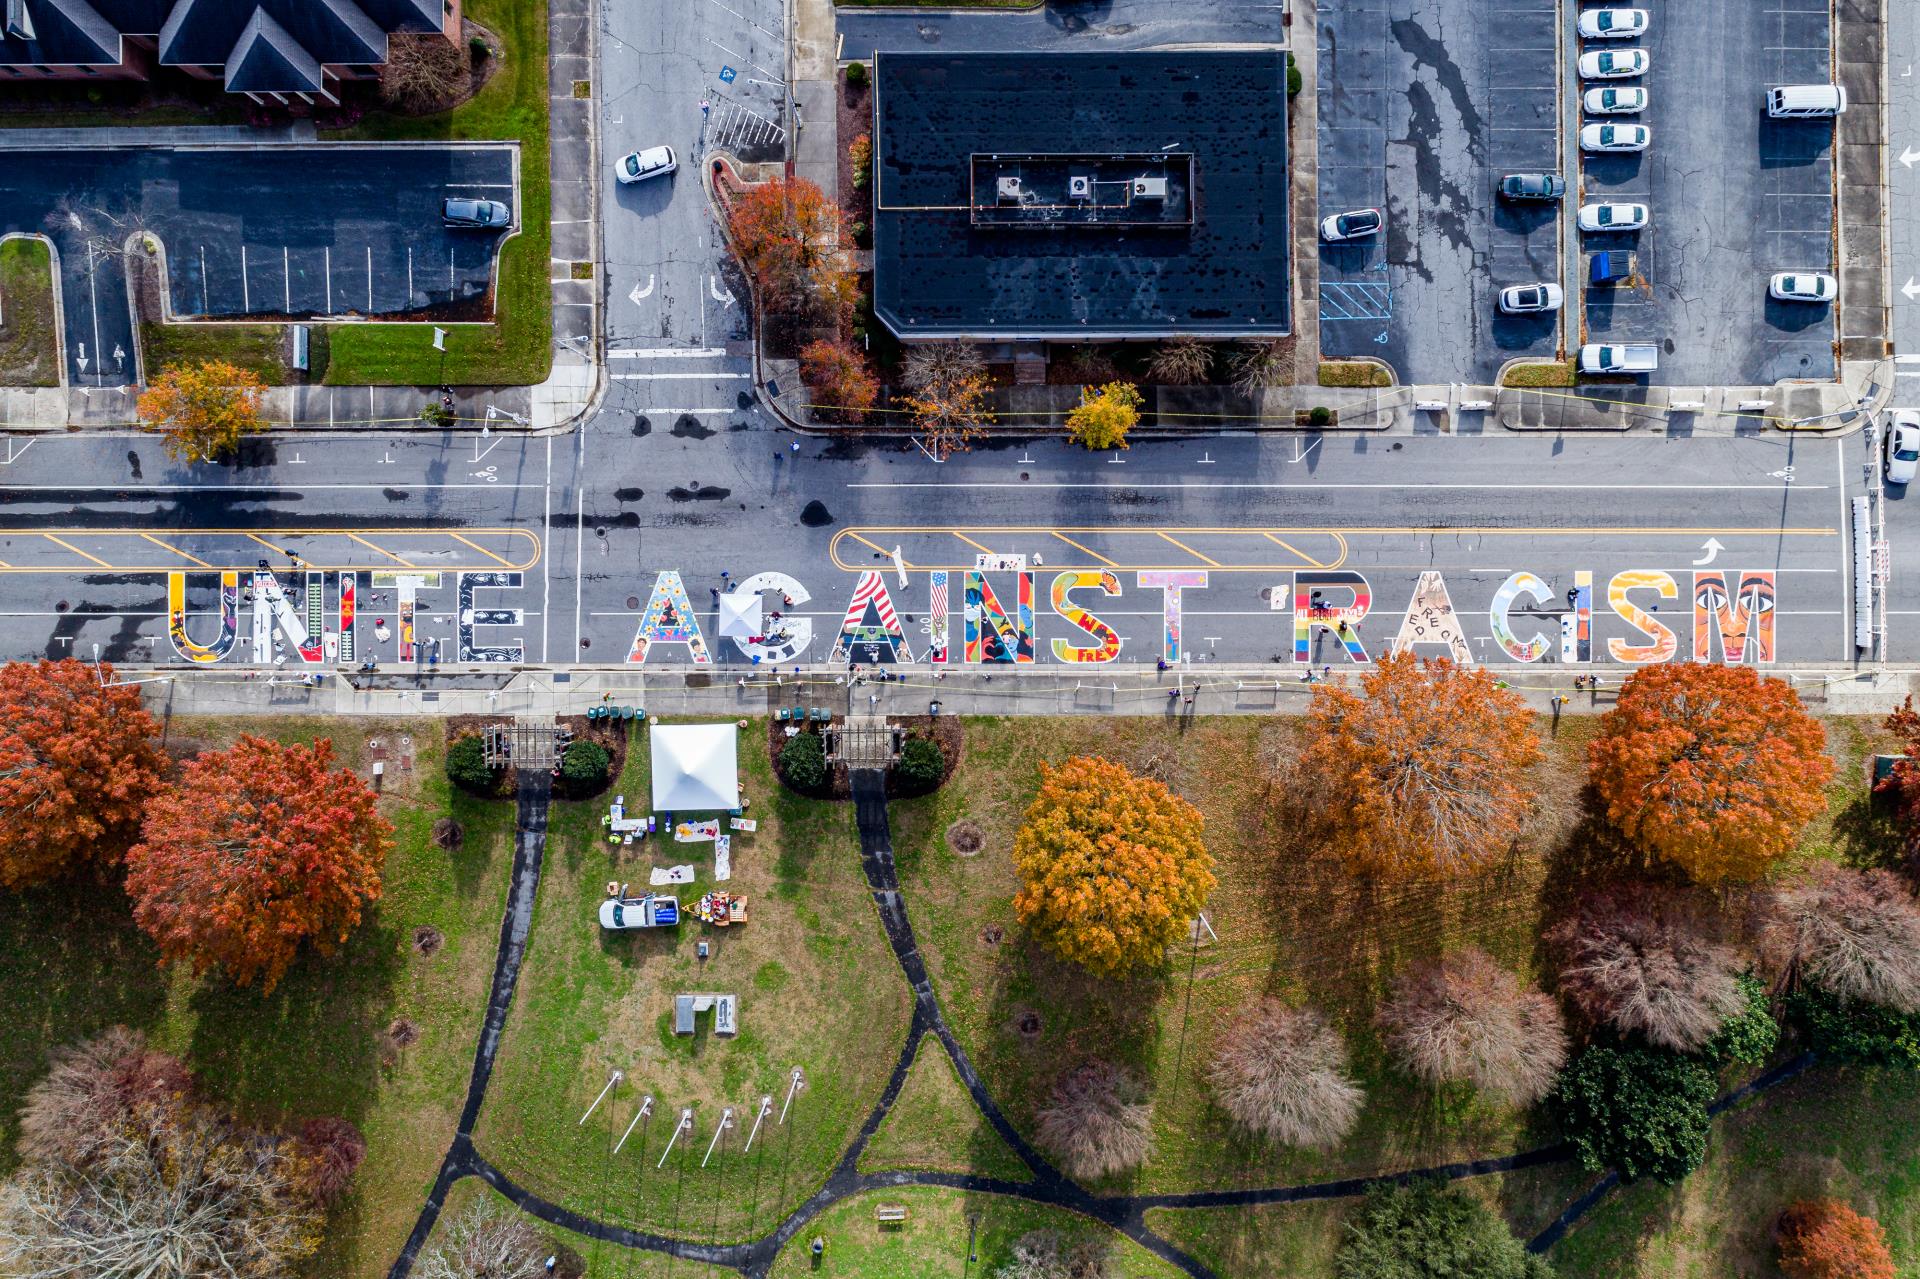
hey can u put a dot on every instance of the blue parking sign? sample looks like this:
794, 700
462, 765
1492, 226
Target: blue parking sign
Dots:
726, 75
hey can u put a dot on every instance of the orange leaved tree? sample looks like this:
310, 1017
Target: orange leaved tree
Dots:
77, 765
201, 410
787, 233
1825, 1239
1112, 866
1423, 771
258, 848
1714, 768
838, 375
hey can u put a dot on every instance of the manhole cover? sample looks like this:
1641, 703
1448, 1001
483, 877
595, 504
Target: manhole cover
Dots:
966, 839
585, 642
633, 601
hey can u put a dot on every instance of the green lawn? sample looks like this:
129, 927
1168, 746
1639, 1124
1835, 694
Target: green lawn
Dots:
29, 348
933, 1125
72, 964
932, 1242
818, 988
516, 348
258, 347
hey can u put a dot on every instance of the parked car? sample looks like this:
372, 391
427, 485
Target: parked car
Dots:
651, 911
488, 215
1613, 64
1803, 286
1613, 24
1625, 99
1523, 299
1615, 137
1354, 224
1533, 186
638, 166
1612, 216
1903, 446
1618, 357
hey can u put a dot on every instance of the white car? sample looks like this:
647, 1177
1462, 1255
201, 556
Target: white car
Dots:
1613, 24
1351, 225
638, 166
1523, 299
1903, 446
1615, 137
1625, 99
1803, 286
1612, 217
1613, 64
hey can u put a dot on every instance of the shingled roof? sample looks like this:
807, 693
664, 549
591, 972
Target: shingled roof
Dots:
266, 46
266, 59
57, 33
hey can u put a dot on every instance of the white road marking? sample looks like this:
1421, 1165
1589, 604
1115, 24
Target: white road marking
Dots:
666, 353
286, 277
579, 536
369, 279
203, 279
328, 250
246, 296
648, 377
546, 561
1438, 484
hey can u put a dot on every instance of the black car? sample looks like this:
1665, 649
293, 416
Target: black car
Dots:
488, 215
1533, 186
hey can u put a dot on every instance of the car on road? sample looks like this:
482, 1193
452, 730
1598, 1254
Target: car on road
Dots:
1613, 24
1613, 64
1524, 299
1354, 224
1903, 446
1803, 286
1615, 137
487, 215
651, 911
1533, 186
1625, 99
638, 166
1612, 216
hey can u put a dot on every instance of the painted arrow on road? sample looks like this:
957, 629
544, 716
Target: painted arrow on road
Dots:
1910, 289
639, 292
1908, 155
1712, 547
82, 359
719, 294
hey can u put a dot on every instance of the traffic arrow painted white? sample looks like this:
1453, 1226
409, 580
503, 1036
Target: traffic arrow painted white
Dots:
1712, 547
81, 360
119, 353
1910, 289
719, 294
1908, 155
639, 292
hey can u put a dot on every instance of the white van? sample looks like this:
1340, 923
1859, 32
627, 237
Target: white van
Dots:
1791, 101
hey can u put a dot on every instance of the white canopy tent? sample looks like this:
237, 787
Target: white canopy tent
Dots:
695, 767
740, 614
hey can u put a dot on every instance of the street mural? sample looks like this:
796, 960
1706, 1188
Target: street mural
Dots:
1730, 615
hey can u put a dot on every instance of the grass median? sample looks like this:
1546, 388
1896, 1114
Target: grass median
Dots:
29, 349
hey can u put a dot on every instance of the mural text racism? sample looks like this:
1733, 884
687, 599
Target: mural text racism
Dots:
988, 617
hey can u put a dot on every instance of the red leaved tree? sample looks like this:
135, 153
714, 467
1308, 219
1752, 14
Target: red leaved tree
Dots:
1853, 933
787, 233
259, 847
1825, 1239
843, 385
77, 765
1903, 787
1641, 960
1714, 768
1424, 769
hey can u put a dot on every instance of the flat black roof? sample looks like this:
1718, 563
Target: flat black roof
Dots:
941, 271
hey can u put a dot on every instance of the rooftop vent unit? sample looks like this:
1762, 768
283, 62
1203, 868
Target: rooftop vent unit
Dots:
1009, 190
19, 21
1080, 186
1149, 188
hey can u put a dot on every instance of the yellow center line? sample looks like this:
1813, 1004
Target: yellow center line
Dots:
863, 541
1084, 550
483, 550
384, 551
1189, 550
76, 550
177, 551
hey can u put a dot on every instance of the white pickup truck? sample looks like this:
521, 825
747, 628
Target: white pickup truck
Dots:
1628, 357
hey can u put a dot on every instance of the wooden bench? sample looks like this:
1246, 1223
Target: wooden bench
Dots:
890, 1214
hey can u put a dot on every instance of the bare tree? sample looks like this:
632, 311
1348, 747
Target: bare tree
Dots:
941, 364
426, 72
1261, 364
1042, 1254
1465, 1018
181, 1193
1180, 362
1097, 1122
91, 1092
1640, 960
484, 1242
1853, 933
330, 1151
1281, 1073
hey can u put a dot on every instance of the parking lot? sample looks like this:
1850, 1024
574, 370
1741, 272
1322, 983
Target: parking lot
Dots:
1734, 197
1424, 105
312, 231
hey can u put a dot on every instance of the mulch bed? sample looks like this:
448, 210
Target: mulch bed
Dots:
855, 108
611, 734
943, 729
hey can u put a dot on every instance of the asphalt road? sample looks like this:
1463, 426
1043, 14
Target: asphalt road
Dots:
315, 231
591, 520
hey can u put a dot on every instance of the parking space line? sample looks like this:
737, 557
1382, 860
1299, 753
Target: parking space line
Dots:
328, 249
409, 275
203, 279
246, 297
286, 278
369, 279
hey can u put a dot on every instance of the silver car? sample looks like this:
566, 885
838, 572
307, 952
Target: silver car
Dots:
486, 215
1903, 446
1525, 299
1626, 99
1615, 137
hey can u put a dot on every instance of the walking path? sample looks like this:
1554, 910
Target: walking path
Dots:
754, 1259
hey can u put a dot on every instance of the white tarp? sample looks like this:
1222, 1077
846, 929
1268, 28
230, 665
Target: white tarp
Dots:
695, 767
740, 614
